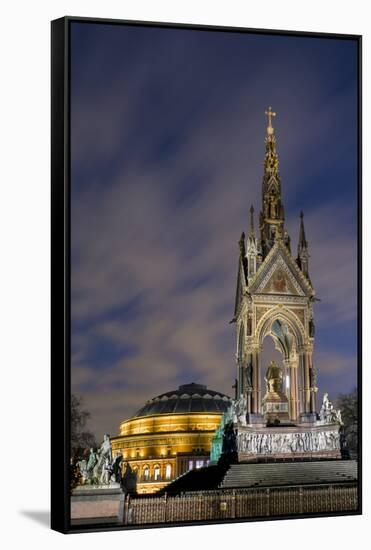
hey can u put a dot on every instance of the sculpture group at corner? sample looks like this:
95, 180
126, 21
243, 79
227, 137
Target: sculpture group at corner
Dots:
328, 414
102, 470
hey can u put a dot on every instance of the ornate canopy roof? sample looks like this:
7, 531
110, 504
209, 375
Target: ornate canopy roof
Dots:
188, 398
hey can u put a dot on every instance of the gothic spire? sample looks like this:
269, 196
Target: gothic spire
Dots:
302, 242
252, 248
241, 244
303, 255
271, 161
272, 216
252, 229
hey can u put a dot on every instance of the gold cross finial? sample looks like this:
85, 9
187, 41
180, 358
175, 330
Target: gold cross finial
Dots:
270, 114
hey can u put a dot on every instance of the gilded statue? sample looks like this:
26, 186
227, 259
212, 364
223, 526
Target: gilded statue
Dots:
274, 378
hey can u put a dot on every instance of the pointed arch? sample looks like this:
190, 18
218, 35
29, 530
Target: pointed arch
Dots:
280, 314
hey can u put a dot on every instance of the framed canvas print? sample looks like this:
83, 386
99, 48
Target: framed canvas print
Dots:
206, 292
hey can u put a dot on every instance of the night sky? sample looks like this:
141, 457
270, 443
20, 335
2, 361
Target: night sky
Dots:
167, 144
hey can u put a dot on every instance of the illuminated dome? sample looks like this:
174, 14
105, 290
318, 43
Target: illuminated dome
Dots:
187, 398
170, 434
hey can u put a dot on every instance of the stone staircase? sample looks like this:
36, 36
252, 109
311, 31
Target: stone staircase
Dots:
202, 479
293, 473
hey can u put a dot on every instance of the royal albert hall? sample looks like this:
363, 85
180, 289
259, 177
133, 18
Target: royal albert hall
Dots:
170, 435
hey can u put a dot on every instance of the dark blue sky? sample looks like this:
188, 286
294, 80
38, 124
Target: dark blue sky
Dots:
167, 143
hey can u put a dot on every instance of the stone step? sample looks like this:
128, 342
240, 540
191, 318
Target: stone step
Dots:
294, 473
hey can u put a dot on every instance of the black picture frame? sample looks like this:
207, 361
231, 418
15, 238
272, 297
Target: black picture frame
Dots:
60, 265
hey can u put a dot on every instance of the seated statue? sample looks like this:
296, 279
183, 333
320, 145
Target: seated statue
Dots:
274, 378
275, 402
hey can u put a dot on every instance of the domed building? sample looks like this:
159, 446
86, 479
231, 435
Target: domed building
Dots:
170, 434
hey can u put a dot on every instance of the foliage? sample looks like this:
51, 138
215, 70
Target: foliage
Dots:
348, 404
81, 438
75, 475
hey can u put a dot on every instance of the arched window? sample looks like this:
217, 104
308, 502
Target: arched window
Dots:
168, 471
145, 473
156, 472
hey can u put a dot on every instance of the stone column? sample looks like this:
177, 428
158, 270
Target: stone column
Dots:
256, 391
259, 389
301, 382
291, 367
304, 381
249, 401
307, 359
248, 390
296, 407
313, 401
312, 385
240, 379
285, 374
308, 389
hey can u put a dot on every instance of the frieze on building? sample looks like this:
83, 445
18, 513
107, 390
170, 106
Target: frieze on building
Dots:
288, 443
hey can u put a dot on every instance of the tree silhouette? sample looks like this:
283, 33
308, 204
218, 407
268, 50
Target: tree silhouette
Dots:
81, 438
348, 404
